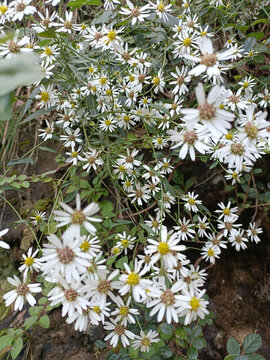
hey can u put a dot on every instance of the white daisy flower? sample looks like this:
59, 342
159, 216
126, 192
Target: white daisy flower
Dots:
78, 217
253, 232
144, 341
30, 263
21, 292
118, 332
210, 252
3, 244
192, 306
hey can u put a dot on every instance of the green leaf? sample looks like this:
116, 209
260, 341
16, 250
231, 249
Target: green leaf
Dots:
249, 43
199, 343
181, 333
192, 353
38, 113
44, 321
5, 107
120, 263
79, 3
252, 343
166, 331
257, 35
196, 331
166, 352
17, 347
233, 347
43, 300
229, 357
241, 357
45, 148
255, 357
5, 341
25, 184
100, 344
35, 310
21, 161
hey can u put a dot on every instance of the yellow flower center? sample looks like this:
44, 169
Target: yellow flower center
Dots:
29, 261
156, 80
125, 242
246, 84
211, 252
123, 311
97, 310
45, 96
191, 201
108, 122
3, 9
226, 211
111, 35
161, 7
187, 42
234, 175
85, 246
163, 248
116, 251
48, 51
145, 341
133, 279
194, 303
103, 81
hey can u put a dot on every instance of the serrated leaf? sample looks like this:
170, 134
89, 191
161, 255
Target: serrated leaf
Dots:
44, 321
252, 343
233, 347
17, 347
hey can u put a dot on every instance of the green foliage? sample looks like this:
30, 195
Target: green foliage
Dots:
252, 343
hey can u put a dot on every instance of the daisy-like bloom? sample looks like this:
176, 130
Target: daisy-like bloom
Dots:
66, 24
47, 21
202, 225
233, 175
3, 244
108, 124
226, 212
155, 223
111, 39
161, 9
235, 100
125, 241
160, 142
181, 80
73, 155
235, 153
216, 240
210, 252
64, 256
89, 245
192, 306
101, 287
132, 281
166, 301
158, 82
6, 12
118, 332
194, 279
265, 98
185, 44
30, 263
21, 292
165, 248
129, 160
238, 240
78, 217
92, 159
140, 194
95, 36
185, 230
253, 232
217, 121
190, 138
49, 53
228, 226
247, 84
191, 201
82, 320
209, 61
38, 217
111, 4
47, 133
14, 46
72, 137
102, 310
164, 166
47, 96
124, 312
96, 267
134, 12
144, 341
21, 8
